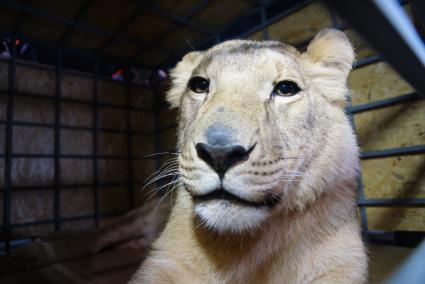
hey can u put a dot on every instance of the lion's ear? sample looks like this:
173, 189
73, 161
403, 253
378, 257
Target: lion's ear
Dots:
329, 59
332, 48
180, 75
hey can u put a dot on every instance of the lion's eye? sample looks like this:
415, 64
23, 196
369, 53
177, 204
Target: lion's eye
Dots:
286, 88
199, 84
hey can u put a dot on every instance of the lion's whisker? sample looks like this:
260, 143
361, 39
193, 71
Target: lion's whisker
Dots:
157, 154
161, 168
156, 190
162, 174
159, 173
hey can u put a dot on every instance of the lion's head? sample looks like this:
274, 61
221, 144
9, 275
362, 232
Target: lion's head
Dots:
262, 127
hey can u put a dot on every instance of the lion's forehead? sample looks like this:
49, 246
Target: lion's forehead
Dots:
249, 46
256, 59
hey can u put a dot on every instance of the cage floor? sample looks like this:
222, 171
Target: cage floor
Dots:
117, 266
113, 266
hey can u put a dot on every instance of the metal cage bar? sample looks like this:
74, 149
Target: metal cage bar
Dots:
71, 100
391, 152
263, 12
81, 13
388, 37
52, 186
411, 97
57, 142
130, 147
8, 151
95, 136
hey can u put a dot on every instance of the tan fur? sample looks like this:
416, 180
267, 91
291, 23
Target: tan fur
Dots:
306, 154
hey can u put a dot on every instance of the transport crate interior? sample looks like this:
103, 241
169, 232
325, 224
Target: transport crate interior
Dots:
83, 118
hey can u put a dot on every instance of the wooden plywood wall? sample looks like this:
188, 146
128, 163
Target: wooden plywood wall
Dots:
37, 204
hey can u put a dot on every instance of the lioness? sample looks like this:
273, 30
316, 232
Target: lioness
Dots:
268, 162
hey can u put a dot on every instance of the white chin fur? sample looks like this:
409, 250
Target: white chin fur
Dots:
223, 216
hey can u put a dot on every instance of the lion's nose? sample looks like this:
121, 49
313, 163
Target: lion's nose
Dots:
222, 158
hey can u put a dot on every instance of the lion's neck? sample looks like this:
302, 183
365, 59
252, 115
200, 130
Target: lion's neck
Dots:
241, 255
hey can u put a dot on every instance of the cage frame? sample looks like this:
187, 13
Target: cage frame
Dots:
265, 15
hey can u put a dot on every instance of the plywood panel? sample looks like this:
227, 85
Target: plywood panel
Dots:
168, 117
396, 219
74, 171
142, 121
3, 106
4, 75
38, 231
143, 145
35, 80
1, 200
107, 221
32, 171
77, 87
69, 197
374, 82
301, 25
143, 169
2, 139
143, 194
76, 142
168, 139
112, 118
80, 225
113, 144
112, 93
33, 140
396, 126
141, 97
114, 199
77, 114
22, 205
2, 175
34, 110
113, 170
395, 177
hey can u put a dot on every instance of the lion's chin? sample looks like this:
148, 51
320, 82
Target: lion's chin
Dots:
226, 216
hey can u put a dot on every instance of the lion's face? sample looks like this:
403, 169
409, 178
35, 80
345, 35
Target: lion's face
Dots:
257, 121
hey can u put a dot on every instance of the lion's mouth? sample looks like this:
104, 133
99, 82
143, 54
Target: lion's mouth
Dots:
222, 194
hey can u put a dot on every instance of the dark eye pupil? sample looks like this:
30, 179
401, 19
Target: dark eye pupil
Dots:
286, 88
199, 84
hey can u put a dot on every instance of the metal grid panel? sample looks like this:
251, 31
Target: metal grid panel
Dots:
57, 126
254, 19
